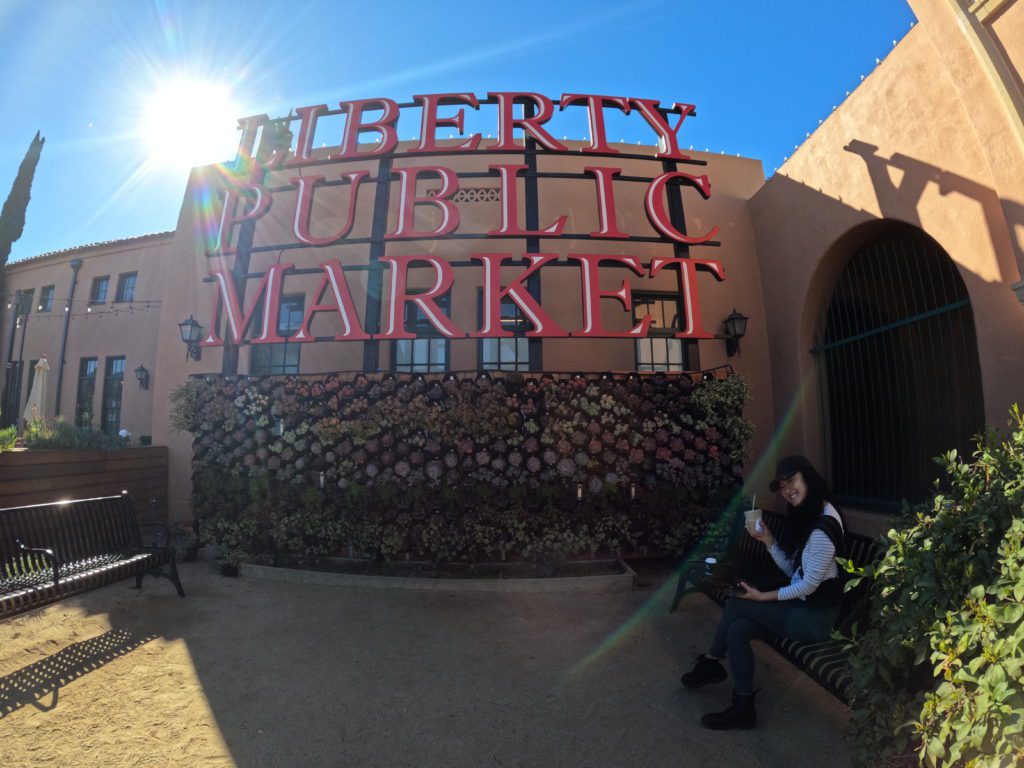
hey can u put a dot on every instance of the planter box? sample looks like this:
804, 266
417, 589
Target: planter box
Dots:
44, 476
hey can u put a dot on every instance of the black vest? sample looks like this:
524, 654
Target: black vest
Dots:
830, 592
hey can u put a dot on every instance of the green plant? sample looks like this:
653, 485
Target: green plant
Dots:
145, 439
939, 669
61, 435
461, 471
186, 402
8, 437
720, 403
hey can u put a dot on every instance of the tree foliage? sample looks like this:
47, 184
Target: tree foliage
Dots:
12, 217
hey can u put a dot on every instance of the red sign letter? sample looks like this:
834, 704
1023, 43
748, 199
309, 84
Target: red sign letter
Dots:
654, 202
354, 125
236, 322
598, 139
493, 293
668, 145
426, 300
334, 276
430, 122
249, 126
407, 202
510, 207
693, 328
229, 219
530, 125
592, 295
304, 207
307, 128
606, 202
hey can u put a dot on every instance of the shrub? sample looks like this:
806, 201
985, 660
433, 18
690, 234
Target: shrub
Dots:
8, 437
940, 667
60, 434
185, 405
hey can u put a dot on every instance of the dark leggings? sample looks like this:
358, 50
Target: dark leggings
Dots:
745, 620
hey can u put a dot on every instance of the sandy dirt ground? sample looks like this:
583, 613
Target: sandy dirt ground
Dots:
245, 672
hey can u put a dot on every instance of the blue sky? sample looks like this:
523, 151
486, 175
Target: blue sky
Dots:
761, 74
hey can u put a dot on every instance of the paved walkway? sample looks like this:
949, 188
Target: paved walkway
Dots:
254, 673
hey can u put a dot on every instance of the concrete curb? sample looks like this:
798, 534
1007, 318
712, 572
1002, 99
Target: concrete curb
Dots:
622, 582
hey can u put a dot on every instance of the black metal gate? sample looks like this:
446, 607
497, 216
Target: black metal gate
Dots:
898, 359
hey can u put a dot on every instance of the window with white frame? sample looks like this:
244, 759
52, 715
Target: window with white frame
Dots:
660, 350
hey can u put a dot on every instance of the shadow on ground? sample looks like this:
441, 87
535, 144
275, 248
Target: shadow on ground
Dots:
252, 673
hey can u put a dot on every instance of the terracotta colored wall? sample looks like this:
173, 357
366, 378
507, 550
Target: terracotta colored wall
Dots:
101, 333
924, 140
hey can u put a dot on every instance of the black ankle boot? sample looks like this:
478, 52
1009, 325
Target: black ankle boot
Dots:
705, 672
740, 715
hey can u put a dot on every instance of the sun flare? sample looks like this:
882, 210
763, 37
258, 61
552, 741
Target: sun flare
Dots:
189, 122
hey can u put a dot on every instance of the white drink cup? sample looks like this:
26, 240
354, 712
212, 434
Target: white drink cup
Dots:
752, 516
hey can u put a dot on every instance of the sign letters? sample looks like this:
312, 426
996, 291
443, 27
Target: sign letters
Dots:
247, 199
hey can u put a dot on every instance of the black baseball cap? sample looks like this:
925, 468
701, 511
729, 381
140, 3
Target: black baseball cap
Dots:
788, 467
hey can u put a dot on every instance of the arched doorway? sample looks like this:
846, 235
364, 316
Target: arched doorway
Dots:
898, 359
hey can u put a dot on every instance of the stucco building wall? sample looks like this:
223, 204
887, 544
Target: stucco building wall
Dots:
926, 140
100, 330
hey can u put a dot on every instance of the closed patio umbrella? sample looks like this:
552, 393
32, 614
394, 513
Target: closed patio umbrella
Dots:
34, 406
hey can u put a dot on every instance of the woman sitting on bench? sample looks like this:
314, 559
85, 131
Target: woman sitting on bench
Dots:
805, 609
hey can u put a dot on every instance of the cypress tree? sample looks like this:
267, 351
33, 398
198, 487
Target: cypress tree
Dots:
12, 217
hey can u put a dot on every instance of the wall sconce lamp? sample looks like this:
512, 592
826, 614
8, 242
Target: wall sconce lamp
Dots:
142, 376
735, 329
191, 332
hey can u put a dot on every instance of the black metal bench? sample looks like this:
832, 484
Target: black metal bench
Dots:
743, 556
52, 551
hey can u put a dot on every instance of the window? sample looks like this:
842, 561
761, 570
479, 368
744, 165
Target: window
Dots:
86, 390
113, 384
12, 394
507, 354
46, 298
660, 351
268, 359
26, 301
427, 353
126, 287
98, 294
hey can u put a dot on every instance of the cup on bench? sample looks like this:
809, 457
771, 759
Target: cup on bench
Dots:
752, 516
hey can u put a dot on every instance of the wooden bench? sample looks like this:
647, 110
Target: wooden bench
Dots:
743, 556
52, 551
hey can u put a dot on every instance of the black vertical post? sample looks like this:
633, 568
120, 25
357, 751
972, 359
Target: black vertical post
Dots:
375, 278
677, 216
276, 135
21, 360
9, 362
531, 196
76, 264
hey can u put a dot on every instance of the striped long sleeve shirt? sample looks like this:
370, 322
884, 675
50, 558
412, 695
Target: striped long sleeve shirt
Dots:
818, 563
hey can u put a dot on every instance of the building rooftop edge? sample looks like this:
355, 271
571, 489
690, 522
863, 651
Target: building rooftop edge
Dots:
12, 265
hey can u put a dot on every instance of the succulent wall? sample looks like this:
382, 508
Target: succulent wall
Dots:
465, 469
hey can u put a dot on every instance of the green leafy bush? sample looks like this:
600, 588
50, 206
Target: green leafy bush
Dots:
186, 401
8, 437
940, 668
60, 434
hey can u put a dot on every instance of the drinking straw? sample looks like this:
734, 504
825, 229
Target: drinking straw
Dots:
753, 501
